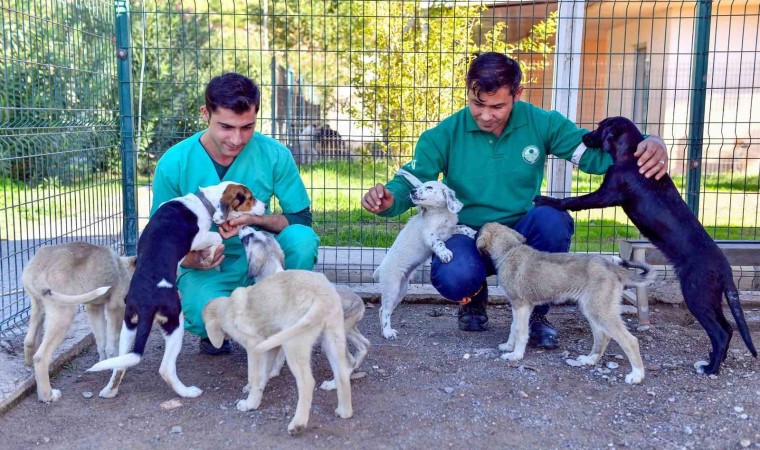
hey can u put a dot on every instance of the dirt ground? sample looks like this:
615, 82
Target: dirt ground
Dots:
433, 387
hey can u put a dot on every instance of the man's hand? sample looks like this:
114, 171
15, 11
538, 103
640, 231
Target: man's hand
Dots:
203, 259
377, 199
653, 157
231, 227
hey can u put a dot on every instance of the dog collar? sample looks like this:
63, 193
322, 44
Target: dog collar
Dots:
209, 207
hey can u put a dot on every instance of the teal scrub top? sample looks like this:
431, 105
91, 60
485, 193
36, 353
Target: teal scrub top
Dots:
264, 165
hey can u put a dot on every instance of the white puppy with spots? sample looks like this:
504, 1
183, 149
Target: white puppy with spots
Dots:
423, 236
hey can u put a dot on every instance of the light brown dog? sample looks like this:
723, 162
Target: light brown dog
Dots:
290, 309
57, 279
531, 278
265, 258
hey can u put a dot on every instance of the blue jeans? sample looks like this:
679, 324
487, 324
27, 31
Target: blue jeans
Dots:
545, 228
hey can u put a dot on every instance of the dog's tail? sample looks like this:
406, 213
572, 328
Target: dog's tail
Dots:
75, 299
306, 322
732, 297
144, 325
646, 276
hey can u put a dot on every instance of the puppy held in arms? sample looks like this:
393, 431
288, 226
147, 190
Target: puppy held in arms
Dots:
423, 235
292, 310
177, 227
661, 215
531, 278
265, 258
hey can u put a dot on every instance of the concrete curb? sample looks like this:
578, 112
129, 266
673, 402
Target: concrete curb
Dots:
17, 380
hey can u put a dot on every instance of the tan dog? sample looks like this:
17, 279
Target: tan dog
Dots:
265, 258
57, 279
291, 310
531, 278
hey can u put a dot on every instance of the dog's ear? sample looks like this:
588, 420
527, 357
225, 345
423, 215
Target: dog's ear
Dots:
452, 203
211, 320
483, 238
515, 235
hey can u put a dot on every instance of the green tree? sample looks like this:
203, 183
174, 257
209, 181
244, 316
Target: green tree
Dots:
410, 62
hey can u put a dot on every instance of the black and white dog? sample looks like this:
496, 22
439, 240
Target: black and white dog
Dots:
659, 212
177, 227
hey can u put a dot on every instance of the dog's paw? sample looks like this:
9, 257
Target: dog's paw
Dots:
54, 396
699, 366
245, 405
542, 200
588, 360
507, 346
513, 356
445, 256
107, 392
327, 385
635, 377
390, 333
247, 388
295, 429
344, 413
189, 392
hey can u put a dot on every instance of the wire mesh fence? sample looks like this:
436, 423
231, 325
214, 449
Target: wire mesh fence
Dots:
349, 86
59, 136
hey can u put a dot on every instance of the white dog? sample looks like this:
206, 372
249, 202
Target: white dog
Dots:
422, 236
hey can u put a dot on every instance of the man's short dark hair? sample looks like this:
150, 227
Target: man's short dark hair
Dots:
232, 91
491, 71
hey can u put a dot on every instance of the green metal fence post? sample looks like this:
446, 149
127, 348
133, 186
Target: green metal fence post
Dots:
698, 98
126, 121
274, 96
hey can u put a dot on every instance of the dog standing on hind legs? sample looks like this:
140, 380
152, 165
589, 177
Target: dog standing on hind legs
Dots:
422, 236
177, 227
50, 279
661, 215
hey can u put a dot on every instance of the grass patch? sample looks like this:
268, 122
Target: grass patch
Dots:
336, 189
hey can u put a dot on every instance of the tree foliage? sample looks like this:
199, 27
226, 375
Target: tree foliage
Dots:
409, 72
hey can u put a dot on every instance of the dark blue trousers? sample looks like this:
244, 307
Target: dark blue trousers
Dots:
545, 228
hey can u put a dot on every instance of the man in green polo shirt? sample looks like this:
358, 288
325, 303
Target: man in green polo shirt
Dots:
230, 150
492, 153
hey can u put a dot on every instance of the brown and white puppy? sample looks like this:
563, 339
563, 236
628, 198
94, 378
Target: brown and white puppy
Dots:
177, 227
265, 258
531, 278
57, 279
290, 309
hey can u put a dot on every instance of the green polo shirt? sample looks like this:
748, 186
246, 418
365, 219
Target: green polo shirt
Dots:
495, 178
265, 166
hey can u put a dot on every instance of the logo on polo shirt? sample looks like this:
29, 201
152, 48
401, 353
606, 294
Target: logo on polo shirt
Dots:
530, 154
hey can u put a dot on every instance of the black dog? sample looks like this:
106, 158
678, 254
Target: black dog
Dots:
659, 212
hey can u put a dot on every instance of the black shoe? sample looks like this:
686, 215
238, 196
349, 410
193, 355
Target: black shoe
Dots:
208, 348
542, 333
472, 316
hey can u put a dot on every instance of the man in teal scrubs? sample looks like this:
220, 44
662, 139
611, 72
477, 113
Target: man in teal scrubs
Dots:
230, 150
492, 153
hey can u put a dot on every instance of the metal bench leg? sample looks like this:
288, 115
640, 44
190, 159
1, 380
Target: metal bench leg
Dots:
642, 293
